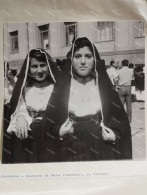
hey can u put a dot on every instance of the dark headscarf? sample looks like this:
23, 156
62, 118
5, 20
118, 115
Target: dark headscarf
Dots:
24, 79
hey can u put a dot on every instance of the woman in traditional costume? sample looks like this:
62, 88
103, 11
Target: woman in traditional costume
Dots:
89, 118
24, 138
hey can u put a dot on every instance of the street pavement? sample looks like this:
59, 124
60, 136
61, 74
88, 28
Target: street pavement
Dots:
138, 131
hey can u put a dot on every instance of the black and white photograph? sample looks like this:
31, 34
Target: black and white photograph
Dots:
74, 91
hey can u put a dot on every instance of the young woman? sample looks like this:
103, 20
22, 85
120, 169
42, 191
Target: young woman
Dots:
89, 118
25, 112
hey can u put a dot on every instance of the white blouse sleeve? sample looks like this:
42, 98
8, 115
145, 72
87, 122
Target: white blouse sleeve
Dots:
20, 110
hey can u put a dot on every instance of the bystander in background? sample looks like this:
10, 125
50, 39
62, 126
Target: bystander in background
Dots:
112, 73
125, 76
9, 82
133, 91
139, 83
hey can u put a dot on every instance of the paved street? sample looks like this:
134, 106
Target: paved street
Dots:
138, 130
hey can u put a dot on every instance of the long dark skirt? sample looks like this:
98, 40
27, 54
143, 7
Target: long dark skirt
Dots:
35, 149
86, 144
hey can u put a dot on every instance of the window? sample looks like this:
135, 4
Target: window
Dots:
44, 34
139, 29
105, 31
14, 42
71, 32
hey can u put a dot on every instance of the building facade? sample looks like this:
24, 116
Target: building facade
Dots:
115, 40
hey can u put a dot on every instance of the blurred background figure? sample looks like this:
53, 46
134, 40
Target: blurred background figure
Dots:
119, 65
112, 73
133, 92
10, 78
139, 83
125, 76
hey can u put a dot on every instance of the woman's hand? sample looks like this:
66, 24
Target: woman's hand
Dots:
108, 134
66, 128
21, 127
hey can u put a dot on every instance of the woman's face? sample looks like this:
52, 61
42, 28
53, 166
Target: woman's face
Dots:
38, 70
83, 62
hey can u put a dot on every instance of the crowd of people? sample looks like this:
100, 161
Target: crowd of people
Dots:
75, 113
129, 81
